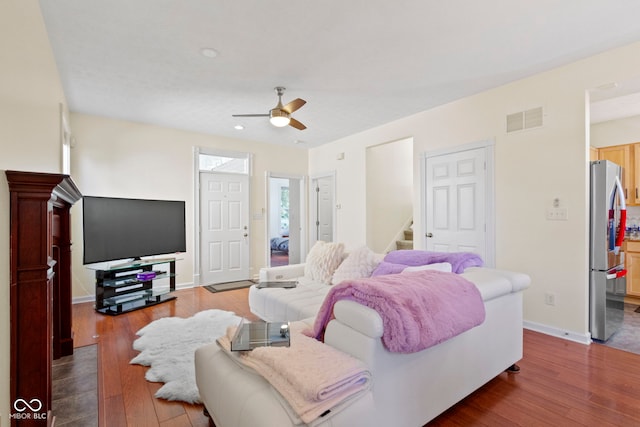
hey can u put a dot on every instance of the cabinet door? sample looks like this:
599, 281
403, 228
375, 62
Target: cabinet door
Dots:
632, 260
636, 177
623, 155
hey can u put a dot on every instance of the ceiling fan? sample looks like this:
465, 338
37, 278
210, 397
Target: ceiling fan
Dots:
280, 115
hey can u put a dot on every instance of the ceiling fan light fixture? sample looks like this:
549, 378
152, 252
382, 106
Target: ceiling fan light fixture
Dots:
279, 118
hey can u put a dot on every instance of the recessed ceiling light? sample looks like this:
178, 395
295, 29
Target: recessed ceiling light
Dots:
238, 127
208, 52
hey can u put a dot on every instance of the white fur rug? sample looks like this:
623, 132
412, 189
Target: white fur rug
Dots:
168, 346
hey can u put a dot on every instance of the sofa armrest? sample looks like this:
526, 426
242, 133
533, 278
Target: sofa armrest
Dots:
356, 330
359, 317
283, 272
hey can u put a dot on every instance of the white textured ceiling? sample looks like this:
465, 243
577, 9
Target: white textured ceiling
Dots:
357, 63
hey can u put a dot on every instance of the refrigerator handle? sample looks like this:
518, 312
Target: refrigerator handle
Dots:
615, 242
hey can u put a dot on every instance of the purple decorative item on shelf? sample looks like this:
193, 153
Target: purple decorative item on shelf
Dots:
146, 275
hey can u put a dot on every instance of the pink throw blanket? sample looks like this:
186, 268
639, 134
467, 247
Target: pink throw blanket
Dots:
418, 309
312, 377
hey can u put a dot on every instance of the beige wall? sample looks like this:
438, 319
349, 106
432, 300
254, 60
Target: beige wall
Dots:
116, 158
616, 132
30, 93
531, 169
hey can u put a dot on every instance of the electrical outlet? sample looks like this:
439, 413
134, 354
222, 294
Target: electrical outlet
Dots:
557, 214
549, 298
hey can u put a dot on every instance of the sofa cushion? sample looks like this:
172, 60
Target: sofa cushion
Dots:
358, 264
280, 304
322, 261
439, 266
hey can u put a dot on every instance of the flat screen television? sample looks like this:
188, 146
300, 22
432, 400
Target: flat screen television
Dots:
118, 228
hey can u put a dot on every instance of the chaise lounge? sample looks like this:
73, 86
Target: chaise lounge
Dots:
407, 389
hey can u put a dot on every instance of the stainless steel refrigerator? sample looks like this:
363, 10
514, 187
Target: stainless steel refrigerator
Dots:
607, 282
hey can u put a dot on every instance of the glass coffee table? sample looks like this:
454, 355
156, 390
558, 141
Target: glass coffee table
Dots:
250, 335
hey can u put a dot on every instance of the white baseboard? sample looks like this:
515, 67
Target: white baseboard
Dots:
184, 285
556, 332
85, 298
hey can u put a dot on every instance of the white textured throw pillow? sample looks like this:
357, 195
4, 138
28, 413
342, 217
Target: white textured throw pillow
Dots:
360, 263
322, 261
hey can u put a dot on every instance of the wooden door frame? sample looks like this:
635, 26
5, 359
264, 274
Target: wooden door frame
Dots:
197, 151
490, 217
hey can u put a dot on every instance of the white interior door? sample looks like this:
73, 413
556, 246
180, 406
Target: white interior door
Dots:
224, 218
323, 194
455, 202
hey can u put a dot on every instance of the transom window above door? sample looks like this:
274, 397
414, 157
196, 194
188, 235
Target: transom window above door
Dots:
215, 163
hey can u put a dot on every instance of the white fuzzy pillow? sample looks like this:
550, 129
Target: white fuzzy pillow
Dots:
360, 263
322, 261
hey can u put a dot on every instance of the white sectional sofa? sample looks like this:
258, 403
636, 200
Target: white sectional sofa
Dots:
407, 389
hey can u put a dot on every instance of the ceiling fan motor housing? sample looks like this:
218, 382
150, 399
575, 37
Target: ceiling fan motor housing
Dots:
278, 117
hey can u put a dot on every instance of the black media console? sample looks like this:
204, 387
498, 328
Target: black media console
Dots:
138, 284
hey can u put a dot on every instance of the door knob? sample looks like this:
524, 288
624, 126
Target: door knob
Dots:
245, 234
429, 234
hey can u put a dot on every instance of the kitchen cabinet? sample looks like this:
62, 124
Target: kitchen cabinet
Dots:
625, 156
632, 261
636, 175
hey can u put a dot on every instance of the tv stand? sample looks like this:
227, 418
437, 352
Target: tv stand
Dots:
120, 289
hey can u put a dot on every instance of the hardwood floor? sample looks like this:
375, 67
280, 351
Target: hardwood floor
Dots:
125, 397
561, 383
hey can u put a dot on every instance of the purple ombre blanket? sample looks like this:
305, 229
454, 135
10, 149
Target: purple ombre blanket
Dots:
418, 309
396, 261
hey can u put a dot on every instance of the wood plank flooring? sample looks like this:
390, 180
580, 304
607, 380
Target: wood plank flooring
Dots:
561, 383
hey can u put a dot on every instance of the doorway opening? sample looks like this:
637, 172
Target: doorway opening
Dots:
613, 120
389, 184
285, 228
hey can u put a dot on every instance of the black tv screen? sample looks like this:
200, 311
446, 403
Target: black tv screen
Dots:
117, 228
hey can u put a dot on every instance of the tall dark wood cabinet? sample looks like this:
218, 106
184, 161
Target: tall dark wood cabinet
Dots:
40, 284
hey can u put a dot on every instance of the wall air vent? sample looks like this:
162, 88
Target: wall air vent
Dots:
524, 120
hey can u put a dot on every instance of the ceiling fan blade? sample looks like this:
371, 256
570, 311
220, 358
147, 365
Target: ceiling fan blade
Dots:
296, 124
294, 105
250, 115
